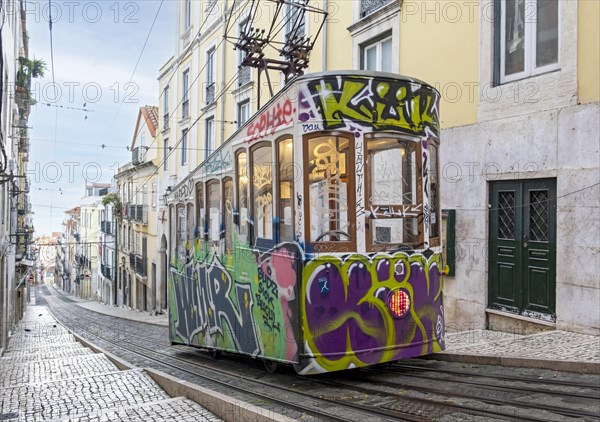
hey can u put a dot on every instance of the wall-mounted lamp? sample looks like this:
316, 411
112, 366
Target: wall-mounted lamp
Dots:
166, 195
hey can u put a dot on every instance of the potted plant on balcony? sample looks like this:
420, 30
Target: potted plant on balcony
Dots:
28, 68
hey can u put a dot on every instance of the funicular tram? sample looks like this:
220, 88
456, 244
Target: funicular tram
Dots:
312, 236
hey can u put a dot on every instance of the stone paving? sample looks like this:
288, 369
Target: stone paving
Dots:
46, 375
555, 345
121, 312
180, 409
54, 369
38, 353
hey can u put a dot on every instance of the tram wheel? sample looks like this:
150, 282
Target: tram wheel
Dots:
215, 354
270, 366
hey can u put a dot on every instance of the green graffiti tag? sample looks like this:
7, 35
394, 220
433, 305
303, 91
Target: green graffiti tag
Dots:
380, 103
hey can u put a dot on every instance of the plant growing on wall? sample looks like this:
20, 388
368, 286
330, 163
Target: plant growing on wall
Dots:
29, 68
113, 198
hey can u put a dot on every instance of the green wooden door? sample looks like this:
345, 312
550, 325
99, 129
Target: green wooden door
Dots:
522, 252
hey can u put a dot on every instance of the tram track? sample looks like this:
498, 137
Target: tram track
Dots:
445, 393
496, 377
512, 388
160, 358
373, 400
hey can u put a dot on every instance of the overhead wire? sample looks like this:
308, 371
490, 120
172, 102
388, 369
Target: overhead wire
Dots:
174, 72
223, 91
55, 96
137, 63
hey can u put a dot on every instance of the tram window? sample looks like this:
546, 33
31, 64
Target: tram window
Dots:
285, 193
173, 226
181, 232
190, 222
329, 166
262, 191
228, 213
242, 194
214, 211
200, 209
393, 180
434, 199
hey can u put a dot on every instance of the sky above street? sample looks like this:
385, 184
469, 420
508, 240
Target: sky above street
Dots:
95, 96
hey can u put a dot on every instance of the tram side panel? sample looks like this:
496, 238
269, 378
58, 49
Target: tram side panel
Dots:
361, 309
326, 313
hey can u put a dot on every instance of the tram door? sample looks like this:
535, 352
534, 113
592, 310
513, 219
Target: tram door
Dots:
522, 254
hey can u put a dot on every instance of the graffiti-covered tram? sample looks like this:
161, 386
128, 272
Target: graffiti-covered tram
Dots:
312, 236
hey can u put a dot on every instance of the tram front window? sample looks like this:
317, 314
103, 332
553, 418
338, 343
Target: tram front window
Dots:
393, 183
330, 190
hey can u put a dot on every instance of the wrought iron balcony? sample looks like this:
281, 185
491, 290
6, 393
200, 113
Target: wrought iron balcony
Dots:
107, 272
210, 93
185, 109
82, 261
137, 213
139, 264
369, 6
245, 75
106, 227
138, 155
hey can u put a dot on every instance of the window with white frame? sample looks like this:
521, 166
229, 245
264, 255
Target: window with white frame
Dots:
210, 135
185, 100
187, 14
370, 6
527, 38
165, 154
243, 112
184, 146
245, 72
154, 194
295, 25
166, 108
210, 76
377, 55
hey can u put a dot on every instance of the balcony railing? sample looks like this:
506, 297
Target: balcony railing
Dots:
245, 75
137, 213
185, 109
107, 272
138, 155
83, 262
210, 93
139, 264
369, 6
106, 227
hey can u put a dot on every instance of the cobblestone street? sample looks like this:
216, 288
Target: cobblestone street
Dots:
47, 375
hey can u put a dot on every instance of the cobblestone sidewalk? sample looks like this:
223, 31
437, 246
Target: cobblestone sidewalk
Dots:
46, 375
553, 345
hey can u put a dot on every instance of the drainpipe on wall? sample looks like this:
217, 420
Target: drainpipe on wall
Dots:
223, 76
116, 256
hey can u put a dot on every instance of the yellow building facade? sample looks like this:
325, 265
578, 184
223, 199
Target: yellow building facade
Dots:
511, 91
137, 187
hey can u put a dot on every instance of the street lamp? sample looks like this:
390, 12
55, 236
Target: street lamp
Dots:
166, 195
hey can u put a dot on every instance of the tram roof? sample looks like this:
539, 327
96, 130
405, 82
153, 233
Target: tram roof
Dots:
288, 86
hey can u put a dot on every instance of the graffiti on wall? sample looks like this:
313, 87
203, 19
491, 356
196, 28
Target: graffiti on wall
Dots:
185, 191
426, 213
381, 104
246, 309
218, 163
279, 114
360, 179
347, 319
